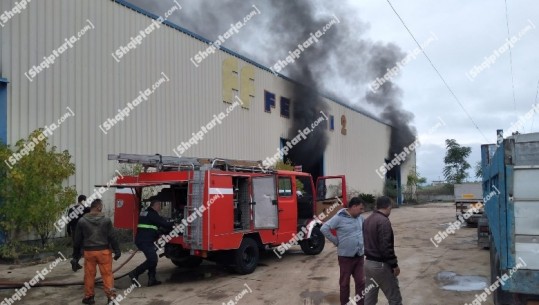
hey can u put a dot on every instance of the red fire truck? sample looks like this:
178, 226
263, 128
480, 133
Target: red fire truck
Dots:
228, 210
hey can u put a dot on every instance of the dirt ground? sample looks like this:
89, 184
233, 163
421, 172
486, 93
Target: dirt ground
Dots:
296, 279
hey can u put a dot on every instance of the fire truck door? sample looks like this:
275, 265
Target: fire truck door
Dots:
330, 196
265, 203
125, 209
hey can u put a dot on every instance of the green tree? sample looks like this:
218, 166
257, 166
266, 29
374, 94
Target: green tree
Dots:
414, 178
456, 166
478, 170
135, 170
413, 181
284, 165
281, 165
130, 169
33, 197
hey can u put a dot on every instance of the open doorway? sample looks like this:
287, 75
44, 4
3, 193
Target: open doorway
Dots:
393, 183
312, 163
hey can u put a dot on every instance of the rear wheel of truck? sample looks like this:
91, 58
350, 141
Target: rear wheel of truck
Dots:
246, 256
315, 244
187, 262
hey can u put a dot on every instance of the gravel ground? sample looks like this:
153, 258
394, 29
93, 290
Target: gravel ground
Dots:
296, 278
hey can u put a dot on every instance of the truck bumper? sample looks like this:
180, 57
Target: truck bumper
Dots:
474, 219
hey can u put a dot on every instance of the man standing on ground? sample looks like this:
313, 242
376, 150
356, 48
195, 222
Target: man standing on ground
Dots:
78, 210
149, 223
381, 262
95, 235
349, 241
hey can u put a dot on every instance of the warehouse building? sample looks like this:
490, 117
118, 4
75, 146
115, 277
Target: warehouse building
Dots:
106, 77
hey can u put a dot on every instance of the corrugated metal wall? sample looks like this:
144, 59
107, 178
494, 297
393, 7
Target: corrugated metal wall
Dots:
88, 79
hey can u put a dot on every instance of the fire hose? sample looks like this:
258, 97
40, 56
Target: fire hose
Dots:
11, 285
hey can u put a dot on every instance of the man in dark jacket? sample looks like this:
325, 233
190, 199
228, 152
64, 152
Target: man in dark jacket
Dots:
349, 241
149, 223
95, 235
76, 212
381, 264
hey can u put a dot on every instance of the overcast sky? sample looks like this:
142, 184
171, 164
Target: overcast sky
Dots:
462, 35
467, 32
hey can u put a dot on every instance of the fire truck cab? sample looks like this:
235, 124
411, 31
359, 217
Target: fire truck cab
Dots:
227, 211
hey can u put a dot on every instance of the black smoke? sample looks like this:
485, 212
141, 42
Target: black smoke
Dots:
382, 59
307, 108
341, 63
295, 23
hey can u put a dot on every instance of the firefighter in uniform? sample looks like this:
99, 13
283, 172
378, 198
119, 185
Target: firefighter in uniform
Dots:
148, 230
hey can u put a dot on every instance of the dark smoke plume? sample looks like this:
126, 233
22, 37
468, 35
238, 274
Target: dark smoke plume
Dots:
306, 106
341, 62
388, 97
306, 109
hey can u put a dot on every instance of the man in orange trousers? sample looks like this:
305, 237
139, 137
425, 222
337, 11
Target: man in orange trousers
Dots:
95, 235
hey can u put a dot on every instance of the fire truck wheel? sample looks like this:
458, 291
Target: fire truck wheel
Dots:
188, 262
315, 244
246, 257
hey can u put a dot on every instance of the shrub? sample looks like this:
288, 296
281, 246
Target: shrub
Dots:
32, 190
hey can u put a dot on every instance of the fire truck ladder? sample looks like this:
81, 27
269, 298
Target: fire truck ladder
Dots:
171, 163
195, 197
159, 162
240, 166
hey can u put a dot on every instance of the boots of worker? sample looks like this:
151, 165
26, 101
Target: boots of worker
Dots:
133, 275
111, 300
152, 281
75, 265
88, 300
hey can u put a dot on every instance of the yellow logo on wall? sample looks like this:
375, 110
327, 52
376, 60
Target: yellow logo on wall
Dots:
343, 125
238, 82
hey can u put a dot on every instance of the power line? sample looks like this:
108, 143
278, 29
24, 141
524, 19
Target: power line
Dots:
438, 72
510, 57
